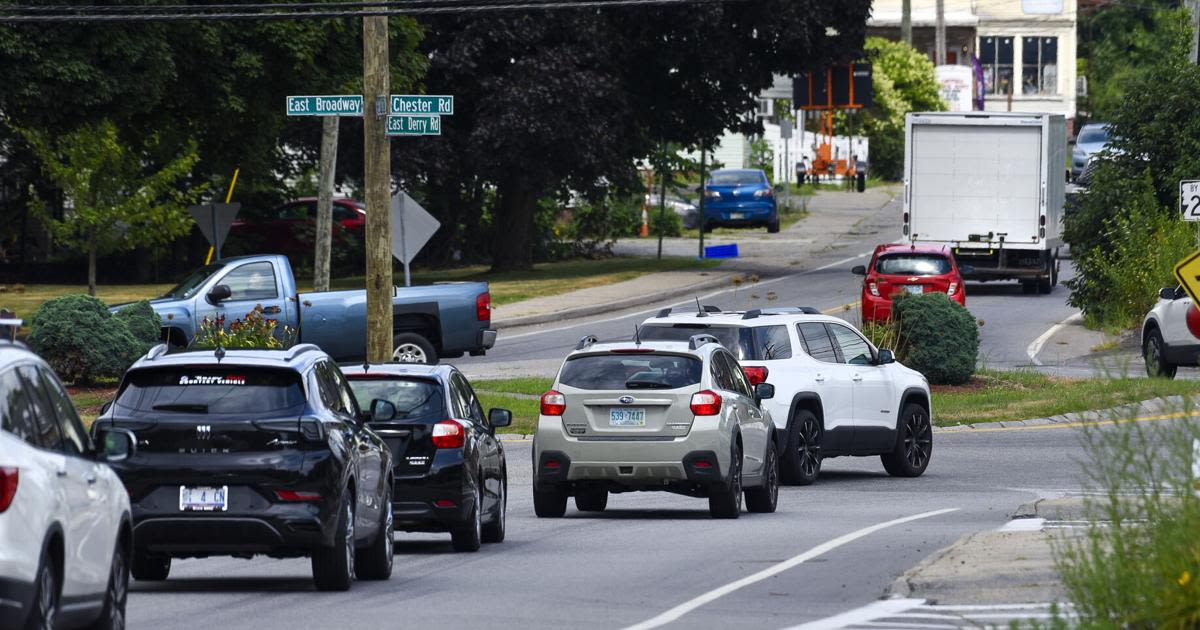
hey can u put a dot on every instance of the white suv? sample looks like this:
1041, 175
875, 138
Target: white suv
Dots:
835, 393
65, 534
1171, 334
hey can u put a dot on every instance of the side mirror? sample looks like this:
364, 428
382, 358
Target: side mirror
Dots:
1167, 293
117, 445
859, 270
764, 391
219, 293
500, 417
382, 410
885, 357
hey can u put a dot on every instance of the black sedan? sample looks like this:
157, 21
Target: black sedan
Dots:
449, 468
252, 452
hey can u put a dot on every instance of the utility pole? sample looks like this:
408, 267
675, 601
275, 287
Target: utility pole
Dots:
662, 201
329, 139
377, 174
1194, 8
906, 21
939, 33
703, 164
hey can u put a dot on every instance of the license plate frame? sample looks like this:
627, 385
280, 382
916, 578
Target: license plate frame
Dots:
626, 417
914, 289
737, 216
197, 498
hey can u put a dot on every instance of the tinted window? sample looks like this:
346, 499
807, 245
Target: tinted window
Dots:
631, 371
736, 339
771, 343
855, 349
1092, 135
720, 373
302, 210
726, 178
817, 342
72, 428
191, 283
343, 390
233, 390
16, 416
255, 281
413, 398
912, 265
737, 377
329, 388
45, 419
474, 409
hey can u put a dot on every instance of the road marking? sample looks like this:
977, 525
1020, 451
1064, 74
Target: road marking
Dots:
717, 593
843, 308
1023, 525
1036, 347
870, 612
1075, 425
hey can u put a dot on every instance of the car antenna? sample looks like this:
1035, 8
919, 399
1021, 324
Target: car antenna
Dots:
219, 353
700, 309
637, 335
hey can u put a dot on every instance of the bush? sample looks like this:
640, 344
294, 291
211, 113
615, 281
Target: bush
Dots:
672, 223
938, 337
82, 341
595, 226
143, 323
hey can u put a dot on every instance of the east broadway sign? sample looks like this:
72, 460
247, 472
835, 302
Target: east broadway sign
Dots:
345, 105
414, 125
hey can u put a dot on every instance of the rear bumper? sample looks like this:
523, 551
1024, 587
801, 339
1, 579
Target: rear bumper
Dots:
415, 497
1182, 354
16, 599
487, 338
876, 309
996, 264
742, 213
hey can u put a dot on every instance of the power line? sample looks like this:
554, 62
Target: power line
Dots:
163, 8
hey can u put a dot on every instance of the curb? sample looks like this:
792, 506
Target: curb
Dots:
596, 309
900, 588
1151, 405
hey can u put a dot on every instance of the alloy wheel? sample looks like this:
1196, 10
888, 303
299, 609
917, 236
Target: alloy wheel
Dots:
389, 531
810, 448
918, 439
47, 596
478, 524
118, 589
409, 353
1152, 354
737, 477
349, 543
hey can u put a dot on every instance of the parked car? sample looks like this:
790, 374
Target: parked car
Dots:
448, 467
688, 212
253, 452
288, 229
1092, 139
65, 528
835, 393
910, 269
1171, 334
441, 320
740, 198
673, 416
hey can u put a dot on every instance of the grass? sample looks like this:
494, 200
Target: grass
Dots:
518, 396
25, 299
89, 400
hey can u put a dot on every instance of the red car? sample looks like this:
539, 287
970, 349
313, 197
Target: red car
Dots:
911, 268
287, 229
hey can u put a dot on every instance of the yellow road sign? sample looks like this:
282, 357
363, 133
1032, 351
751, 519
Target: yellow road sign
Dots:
1187, 271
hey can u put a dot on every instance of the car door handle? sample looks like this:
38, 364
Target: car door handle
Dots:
819, 378
271, 310
62, 472
857, 378
91, 479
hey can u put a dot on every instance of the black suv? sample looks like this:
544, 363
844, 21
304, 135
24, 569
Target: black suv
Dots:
253, 452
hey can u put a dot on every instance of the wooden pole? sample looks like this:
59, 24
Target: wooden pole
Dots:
377, 175
324, 224
906, 21
703, 178
940, 33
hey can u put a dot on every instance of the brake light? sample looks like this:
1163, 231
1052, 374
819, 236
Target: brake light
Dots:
444, 503
8, 486
766, 192
553, 403
706, 403
712, 194
483, 307
755, 375
633, 351
449, 434
952, 289
293, 495
702, 464
873, 288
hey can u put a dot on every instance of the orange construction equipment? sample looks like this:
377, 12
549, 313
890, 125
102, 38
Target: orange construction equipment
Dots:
826, 92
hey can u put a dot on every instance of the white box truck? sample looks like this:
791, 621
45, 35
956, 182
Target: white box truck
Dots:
990, 186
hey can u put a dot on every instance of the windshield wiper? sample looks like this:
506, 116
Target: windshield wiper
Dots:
184, 407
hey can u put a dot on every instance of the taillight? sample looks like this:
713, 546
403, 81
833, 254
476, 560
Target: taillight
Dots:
293, 495
712, 194
766, 192
873, 288
483, 307
952, 289
8, 486
706, 403
553, 403
448, 434
755, 375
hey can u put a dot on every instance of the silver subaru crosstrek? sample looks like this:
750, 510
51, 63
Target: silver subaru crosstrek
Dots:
671, 416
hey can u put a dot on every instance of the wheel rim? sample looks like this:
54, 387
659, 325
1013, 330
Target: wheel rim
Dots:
810, 448
918, 439
409, 353
118, 590
737, 479
389, 531
1152, 355
349, 543
773, 477
46, 596
478, 513
503, 507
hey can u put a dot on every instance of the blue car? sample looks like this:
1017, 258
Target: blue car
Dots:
740, 198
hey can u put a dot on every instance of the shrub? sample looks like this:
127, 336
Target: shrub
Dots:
671, 223
938, 337
252, 331
594, 226
143, 323
81, 340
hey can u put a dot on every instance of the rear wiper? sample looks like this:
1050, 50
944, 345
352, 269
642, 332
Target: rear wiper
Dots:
194, 407
646, 385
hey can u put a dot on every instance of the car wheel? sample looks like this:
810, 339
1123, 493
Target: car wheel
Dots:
333, 566
550, 503
150, 568
413, 348
1154, 353
725, 500
802, 459
1029, 287
470, 535
764, 498
773, 226
914, 444
375, 562
45, 597
591, 500
494, 532
112, 616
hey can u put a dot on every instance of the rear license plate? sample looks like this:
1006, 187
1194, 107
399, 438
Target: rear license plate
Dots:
737, 215
914, 288
627, 418
203, 499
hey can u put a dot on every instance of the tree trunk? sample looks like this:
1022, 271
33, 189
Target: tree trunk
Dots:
92, 269
324, 219
512, 249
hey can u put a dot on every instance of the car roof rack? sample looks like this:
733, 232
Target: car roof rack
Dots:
300, 349
781, 310
157, 351
708, 308
9, 326
585, 341
697, 341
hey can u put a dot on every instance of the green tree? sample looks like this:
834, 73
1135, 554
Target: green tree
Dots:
117, 203
903, 82
1120, 41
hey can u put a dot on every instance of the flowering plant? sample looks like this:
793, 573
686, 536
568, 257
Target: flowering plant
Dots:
253, 331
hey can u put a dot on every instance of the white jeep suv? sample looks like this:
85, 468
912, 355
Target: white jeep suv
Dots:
835, 393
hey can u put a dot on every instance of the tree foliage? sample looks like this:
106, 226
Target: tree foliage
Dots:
1120, 41
903, 81
83, 342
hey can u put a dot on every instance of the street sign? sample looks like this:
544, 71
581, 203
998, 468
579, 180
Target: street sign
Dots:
215, 219
412, 125
1187, 272
1189, 199
412, 228
420, 104
345, 105
785, 128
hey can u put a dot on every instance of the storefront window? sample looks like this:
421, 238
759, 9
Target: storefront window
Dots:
1039, 65
996, 57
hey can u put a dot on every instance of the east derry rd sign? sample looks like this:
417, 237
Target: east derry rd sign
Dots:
399, 104
346, 105
414, 125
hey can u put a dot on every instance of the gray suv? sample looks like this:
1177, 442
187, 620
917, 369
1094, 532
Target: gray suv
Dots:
675, 416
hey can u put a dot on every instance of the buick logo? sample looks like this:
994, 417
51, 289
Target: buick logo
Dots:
626, 400
203, 431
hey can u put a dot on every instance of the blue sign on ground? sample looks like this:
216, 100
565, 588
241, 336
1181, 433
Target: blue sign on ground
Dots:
345, 105
721, 251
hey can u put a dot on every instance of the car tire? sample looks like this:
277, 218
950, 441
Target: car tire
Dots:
765, 498
1029, 287
333, 566
1154, 354
773, 226
413, 348
375, 562
591, 500
493, 532
112, 615
549, 503
725, 500
914, 444
46, 592
469, 536
149, 568
802, 458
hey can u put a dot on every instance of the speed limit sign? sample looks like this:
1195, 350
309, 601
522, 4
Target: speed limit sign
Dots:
1189, 199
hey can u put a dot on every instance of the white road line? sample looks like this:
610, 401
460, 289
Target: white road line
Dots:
1036, 347
987, 607
875, 610
823, 548
1023, 525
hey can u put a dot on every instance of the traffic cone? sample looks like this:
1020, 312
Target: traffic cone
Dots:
645, 231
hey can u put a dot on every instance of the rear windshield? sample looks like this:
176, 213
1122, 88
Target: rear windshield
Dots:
913, 265
1092, 135
232, 390
631, 371
413, 398
759, 343
726, 178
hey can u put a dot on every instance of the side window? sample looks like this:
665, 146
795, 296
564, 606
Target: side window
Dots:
855, 349
294, 211
772, 342
342, 386
255, 281
471, 400
817, 342
16, 417
740, 382
329, 395
45, 420
73, 431
341, 213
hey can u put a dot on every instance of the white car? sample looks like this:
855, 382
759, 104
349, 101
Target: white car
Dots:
65, 533
1171, 334
835, 393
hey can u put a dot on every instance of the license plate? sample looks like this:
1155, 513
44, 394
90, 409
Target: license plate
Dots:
203, 499
915, 288
627, 418
737, 215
